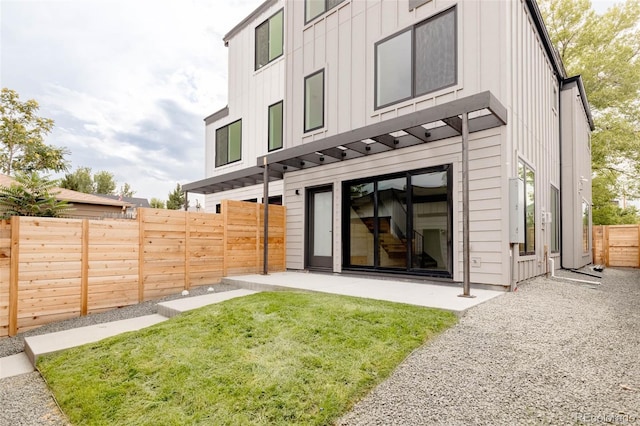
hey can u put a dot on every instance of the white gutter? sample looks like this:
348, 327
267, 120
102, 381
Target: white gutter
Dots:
553, 275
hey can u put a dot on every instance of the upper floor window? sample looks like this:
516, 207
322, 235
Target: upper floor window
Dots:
269, 39
315, 8
275, 126
417, 61
229, 143
314, 101
528, 177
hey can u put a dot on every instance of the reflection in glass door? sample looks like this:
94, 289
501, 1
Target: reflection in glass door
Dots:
320, 227
399, 222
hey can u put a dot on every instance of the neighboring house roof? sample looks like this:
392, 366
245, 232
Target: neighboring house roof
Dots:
72, 196
132, 201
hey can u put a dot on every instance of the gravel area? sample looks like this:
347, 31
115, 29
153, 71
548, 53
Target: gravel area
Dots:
14, 345
553, 352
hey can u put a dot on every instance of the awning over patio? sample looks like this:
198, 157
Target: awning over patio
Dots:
427, 125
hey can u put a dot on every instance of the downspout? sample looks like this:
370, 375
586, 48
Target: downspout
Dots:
553, 275
561, 180
265, 202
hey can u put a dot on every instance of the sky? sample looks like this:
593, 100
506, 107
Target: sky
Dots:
127, 82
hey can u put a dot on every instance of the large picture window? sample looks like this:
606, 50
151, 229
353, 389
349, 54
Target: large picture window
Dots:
554, 208
527, 176
399, 222
417, 61
275, 126
314, 101
229, 143
315, 8
269, 39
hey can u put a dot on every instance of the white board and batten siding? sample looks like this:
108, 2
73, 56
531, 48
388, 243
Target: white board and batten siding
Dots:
241, 194
251, 92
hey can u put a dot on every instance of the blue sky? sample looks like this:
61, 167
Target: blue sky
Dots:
128, 82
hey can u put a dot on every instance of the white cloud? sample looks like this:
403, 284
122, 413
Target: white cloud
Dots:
127, 82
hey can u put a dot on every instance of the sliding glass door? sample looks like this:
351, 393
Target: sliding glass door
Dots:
400, 222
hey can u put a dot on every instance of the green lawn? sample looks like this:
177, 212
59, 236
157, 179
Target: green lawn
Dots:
269, 358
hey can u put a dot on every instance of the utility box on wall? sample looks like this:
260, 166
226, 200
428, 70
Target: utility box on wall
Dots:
516, 211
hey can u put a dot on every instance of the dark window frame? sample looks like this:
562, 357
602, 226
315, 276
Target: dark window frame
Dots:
281, 126
409, 269
523, 246
218, 163
304, 126
412, 28
325, 10
267, 22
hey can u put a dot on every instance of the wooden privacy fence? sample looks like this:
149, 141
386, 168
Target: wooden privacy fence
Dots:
54, 269
616, 245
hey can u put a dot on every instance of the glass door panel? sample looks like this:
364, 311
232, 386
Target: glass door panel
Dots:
392, 223
320, 228
361, 224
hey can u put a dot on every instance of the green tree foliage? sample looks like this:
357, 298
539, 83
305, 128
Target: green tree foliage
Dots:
80, 181
176, 199
104, 183
22, 131
32, 195
605, 50
156, 203
126, 191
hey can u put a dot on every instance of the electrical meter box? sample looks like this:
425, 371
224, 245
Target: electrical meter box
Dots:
516, 211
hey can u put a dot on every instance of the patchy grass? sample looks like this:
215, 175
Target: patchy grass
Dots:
268, 358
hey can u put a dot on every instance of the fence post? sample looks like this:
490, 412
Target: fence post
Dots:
605, 245
259, 234
638, 246
225, 223
13, 275
187, 257
141, 255
84, 275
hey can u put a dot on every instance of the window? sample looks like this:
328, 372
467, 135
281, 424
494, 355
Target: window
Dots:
400, 222
417, 61
527, 176
269, 39
275, 126
315, 8
314, 101
585, 226
554, 208
229, 143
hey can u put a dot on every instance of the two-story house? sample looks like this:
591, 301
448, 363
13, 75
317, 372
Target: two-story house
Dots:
423, 138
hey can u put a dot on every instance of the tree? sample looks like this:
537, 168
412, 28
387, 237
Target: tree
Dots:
605, 51
80, 181
156, 203
22, 131
104, 183
176, 199
126, 191
31, 196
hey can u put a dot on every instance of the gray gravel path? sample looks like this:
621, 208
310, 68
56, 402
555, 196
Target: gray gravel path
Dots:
553, 353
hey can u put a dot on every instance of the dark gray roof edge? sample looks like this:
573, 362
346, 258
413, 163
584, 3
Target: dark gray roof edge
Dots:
577, 79
534, 10
217, 115
235, 30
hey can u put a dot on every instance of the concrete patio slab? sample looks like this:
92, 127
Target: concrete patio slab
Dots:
174, 307
36, 346
15, 365
432, 295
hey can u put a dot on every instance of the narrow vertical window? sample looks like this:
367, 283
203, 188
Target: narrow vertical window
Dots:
275, 126
585, 226
527, 175
229, 143
554, 209
314, 101
269, 39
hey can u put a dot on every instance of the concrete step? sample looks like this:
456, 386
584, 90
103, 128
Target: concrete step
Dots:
36, 346
172, 308
15, 365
